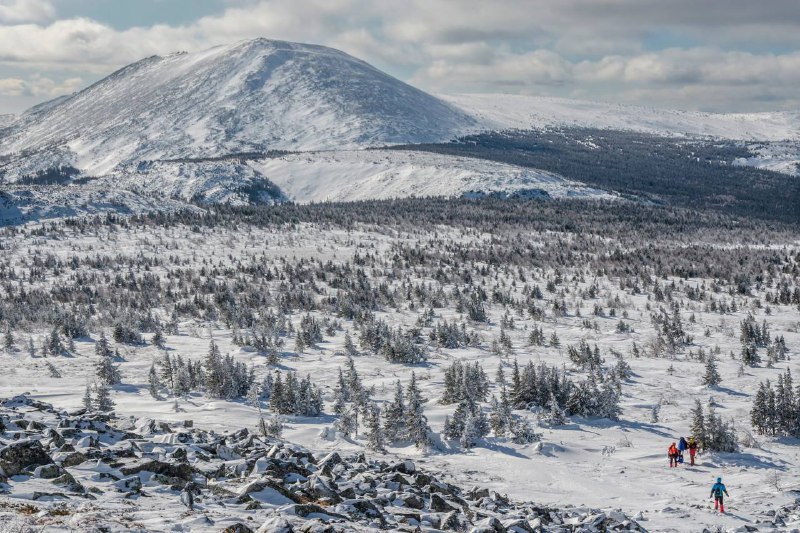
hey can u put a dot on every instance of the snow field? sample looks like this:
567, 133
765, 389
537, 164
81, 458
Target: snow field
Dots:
599, 463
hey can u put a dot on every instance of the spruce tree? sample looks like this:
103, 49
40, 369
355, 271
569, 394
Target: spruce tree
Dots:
102, 348
341, 395
758, 413
349, 346
276, 399
8, 340
153, 384
556, 416
167, 371
54, 345
347, 424
159, 339
500, 376
516, 385
470, 432
102, 400
372, 424
699, 424
273, 356
523, 433
107, 372
711, 377
417, 423
215, 379
394, 421
88, 403
750, 355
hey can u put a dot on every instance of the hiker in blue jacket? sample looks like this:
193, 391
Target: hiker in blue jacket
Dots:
682, 447
717, 490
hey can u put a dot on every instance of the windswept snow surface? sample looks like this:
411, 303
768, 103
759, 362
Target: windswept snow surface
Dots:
504, 111
383, 174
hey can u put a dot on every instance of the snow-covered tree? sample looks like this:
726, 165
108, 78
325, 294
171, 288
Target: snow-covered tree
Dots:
347, 424
523, 433
394, 420
54, 346
105, 368
416, 421
374, 428
711, 377
88, 403
153, 383
8, 340
102, 399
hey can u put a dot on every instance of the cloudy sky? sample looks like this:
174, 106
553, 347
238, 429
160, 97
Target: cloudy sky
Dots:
719, 55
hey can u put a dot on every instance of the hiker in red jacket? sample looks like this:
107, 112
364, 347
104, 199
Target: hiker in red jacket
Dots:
692, 450
673, 454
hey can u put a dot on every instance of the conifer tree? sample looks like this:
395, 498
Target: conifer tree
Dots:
215, 380
107, 372
374, 429
276, 399
88, 403
347, 424
470, 432
102, 400
54, 345
8, 340
273, 356
159, 339
153, 384
556, 416
394, 422
750, 355
500, 376
349, 346
711, 377
416, 422
516, 385
699, 424
167, 371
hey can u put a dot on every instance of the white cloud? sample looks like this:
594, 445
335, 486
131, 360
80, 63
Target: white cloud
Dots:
596, 48
38, 86
15, 11
12, 87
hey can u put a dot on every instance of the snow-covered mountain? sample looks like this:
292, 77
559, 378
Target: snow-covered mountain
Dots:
252, 96
192, 127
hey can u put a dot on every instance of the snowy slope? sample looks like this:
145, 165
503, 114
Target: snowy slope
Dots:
369, 174
592, 462
504, 111
251, 96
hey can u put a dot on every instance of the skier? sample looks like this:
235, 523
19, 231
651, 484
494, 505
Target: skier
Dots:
717, 490
692, 450
672, 452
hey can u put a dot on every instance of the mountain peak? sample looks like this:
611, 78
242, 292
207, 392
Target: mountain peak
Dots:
251, 96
